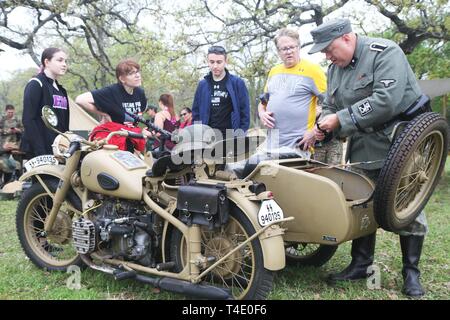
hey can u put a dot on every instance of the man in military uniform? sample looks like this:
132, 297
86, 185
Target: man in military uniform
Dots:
11, 130
10, 126
370, 82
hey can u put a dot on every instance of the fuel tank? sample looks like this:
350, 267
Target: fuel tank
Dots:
114, 172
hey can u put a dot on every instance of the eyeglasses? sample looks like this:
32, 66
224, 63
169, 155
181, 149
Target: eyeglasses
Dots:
217, 50
133, 73
287, 49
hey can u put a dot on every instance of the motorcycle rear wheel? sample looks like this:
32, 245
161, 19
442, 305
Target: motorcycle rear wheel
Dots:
53, 251
243, 272
309, 254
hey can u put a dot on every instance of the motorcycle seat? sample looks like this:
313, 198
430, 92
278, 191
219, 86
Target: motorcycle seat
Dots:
161, 165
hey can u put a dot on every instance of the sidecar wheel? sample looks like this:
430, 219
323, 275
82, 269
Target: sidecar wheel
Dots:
53, 251
309, 254
411, 171
243, 272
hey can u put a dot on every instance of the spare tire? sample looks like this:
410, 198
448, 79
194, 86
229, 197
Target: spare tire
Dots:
411, 171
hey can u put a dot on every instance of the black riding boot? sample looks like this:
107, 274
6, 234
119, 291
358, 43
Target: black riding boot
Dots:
411, 250
362, 257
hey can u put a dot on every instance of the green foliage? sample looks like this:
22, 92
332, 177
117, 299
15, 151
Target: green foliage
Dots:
430, 60
11, 91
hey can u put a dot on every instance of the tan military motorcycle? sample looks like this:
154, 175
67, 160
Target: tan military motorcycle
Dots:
332, 205
182, 227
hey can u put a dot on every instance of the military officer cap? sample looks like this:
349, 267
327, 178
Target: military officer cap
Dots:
324, 34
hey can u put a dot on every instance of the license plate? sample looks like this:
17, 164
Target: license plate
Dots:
269, 212
40, 161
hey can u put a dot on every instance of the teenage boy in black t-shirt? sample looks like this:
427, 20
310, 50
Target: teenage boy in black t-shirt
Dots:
221, 99
112, 101
221, 106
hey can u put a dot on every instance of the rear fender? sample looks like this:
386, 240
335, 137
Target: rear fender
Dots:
271, 240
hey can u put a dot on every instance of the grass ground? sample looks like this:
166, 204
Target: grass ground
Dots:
20, 279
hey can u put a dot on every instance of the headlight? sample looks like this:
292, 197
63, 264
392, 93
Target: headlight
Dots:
61, 144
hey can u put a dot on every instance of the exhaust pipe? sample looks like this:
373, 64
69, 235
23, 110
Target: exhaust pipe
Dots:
187, 288
169, 284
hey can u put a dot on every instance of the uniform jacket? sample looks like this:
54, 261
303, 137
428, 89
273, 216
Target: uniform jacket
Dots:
201, 107
374, 88
5, 129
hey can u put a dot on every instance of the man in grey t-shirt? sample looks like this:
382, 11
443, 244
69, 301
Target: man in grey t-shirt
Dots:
293, 89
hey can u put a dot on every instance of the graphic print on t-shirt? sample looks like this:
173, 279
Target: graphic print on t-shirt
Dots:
219, 92
221, 106
59, 102
132, 107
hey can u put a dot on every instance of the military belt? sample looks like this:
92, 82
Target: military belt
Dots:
421, 105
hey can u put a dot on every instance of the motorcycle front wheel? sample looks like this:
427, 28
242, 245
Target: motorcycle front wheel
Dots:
52, 251
243, 272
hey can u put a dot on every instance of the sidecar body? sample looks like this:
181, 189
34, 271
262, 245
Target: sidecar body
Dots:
330, 205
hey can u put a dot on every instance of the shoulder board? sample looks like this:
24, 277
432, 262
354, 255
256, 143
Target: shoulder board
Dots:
36, 79
377, 46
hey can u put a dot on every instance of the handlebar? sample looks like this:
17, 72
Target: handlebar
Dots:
135, 135
76, 144
73, 147
149, 124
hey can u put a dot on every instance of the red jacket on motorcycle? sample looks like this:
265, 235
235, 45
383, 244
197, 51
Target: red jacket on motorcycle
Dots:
101, 131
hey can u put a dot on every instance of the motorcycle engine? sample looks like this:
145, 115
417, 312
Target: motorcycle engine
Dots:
123, 229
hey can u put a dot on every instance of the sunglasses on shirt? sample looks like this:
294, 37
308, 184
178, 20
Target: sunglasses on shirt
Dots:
217, 50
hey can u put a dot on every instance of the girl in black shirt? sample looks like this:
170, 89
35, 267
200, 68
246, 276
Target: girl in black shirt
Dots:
42, 90
112, 101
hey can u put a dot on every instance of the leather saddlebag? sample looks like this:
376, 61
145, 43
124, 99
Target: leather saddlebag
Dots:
206, 205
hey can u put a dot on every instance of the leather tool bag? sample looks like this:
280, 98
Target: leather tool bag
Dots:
206, 205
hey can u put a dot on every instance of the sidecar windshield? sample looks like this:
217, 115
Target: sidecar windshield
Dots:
236, 148
199, 142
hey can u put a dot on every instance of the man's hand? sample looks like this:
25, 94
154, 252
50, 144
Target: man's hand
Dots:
320, 135
328, 123
147, 134
267, 119
309, 138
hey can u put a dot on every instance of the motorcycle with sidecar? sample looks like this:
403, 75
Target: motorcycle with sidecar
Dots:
173, 230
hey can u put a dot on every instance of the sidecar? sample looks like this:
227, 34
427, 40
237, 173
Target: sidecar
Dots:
332, 205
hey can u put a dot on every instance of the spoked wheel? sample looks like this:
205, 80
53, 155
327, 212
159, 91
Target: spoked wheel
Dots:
411, 171
242, 272
309, 254
52, 250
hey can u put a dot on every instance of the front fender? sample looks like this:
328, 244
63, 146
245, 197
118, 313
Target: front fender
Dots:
271, 240
45, 170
